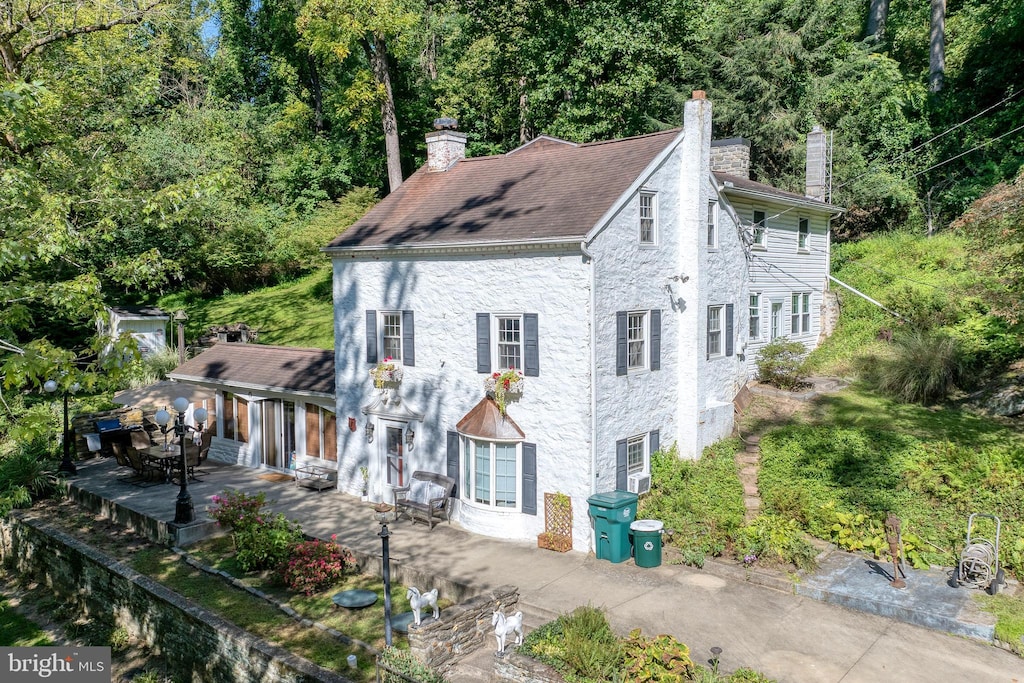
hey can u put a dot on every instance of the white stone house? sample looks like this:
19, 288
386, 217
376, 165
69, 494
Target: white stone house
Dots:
626, 280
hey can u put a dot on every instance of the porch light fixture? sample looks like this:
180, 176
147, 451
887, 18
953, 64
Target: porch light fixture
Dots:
384, 513
184, 512
369, 432
409, 436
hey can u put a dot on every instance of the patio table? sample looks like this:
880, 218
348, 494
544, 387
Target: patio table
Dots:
166, 460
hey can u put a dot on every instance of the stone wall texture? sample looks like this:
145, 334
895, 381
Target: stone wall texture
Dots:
731, 156
461, 628
517, 668
199, 645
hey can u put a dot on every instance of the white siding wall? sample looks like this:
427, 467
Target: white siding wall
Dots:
445, 293
148, 333
781, 269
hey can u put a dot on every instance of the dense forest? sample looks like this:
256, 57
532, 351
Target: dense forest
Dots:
151, 145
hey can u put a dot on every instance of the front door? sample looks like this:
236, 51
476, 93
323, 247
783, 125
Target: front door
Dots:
395, 466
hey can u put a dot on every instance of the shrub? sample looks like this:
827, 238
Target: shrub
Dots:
924, 368
405, 664
579, 644
778, 539
659, 659
267, 544
25, 476
237, 510
315, 565
781, 364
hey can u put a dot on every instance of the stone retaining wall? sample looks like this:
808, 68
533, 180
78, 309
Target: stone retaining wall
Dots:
197, 644
519, 668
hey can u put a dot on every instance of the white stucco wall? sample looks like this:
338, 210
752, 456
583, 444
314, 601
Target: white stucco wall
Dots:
445, 291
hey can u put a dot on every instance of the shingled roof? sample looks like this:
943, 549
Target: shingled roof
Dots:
546, 189
259, 366
747, 185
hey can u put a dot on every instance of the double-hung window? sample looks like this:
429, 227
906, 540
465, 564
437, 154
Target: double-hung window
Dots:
636, 455
712, 224
755, 316
800, 313
491, 473
648, 217
760, 234
510, 341
391, 334
715, 330
803, 235
636, 339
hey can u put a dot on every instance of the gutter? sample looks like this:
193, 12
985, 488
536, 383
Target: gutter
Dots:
814, 204
491, 245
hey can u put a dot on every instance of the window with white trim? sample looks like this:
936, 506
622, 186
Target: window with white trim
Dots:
803, 235
776, 319
391, 334
636, 455
715, 330
491, 473
509, 333
636, 340
754, 322
712, 224
648, 217
800, 313
760, 234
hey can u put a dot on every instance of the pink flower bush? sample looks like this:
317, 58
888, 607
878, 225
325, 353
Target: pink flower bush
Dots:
315, 565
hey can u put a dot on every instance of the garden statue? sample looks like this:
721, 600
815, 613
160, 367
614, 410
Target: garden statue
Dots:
505, 625
417, 602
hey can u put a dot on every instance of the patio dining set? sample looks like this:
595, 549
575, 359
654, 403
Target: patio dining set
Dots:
152, 463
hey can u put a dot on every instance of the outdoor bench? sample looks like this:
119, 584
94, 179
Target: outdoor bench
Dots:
428, 496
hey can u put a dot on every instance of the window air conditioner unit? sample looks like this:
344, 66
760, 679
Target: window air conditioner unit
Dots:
639, 483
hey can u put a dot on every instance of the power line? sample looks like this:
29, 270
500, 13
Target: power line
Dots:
977, 147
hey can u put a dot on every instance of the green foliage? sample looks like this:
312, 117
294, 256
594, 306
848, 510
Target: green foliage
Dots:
26, 475
659, 659
405, 663
315, 565
700, 501
237, 510
267, 544
580, 644
925, 367
774, 539
1009, 611
780, 364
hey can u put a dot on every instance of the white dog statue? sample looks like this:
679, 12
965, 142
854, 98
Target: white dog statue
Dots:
418, 601
505, 625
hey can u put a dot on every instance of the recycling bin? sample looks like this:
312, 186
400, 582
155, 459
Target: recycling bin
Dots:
647, 542
612, 512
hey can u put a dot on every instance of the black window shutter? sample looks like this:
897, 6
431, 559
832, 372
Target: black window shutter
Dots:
408, 339
654, 441
371, 336
453, 461
728, 330
529, 478
656, 339
620, 343
483, 342
531, 348
620, 466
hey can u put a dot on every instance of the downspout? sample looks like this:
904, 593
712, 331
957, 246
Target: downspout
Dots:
593, 371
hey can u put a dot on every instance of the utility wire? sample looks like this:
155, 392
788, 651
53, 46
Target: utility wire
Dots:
977, 147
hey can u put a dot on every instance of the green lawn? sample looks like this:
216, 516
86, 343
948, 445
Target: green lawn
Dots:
18, 631
298, 313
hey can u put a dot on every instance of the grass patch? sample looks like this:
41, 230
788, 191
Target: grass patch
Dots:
271, 310
19, 631
1009, 611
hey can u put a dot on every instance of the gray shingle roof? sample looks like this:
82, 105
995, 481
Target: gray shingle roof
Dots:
259, 366
547, 189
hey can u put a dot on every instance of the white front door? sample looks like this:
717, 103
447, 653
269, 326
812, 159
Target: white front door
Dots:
393, 460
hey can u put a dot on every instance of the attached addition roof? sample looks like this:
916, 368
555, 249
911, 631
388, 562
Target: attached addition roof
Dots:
548, 189
258, 366
745, 186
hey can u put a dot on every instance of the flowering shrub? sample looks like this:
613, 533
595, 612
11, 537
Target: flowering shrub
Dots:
503, 383
235, 510
386, 371
267, 543
315, 565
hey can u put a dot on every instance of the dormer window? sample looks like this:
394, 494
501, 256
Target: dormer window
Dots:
648, 217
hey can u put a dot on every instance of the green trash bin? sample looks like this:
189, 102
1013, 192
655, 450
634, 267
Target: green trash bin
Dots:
647, 542
612, 512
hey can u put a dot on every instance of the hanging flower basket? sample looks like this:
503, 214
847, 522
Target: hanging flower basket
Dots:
504, 384
386, 372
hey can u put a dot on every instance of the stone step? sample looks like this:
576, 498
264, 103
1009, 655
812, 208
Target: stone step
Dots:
748, 459
752, 502
750, 489
749, 472
753, 450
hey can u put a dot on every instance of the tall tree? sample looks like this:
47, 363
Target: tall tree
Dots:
937, 46
878, 13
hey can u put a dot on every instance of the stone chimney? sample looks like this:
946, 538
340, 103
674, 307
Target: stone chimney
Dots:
818, 170
731, 156
445, 145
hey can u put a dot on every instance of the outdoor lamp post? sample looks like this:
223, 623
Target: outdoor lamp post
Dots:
183, 510
382, 513
66, 465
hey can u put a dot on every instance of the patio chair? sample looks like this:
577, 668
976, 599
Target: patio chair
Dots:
191, 462
146, 473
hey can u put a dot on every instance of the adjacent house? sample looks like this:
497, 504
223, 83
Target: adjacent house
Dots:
626, 284
146, 324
